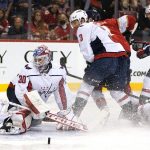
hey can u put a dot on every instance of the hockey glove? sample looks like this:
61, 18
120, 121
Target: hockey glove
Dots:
142, 53
88, 65
63, 61
136, 46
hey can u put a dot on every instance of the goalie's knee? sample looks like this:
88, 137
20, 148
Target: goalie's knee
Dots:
22, 119
16, 122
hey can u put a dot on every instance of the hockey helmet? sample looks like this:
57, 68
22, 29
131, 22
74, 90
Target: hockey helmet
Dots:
93, 15
78, 15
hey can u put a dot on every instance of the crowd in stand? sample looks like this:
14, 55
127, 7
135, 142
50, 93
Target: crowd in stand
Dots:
50, 18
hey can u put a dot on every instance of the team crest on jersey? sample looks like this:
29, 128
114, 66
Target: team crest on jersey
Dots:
46, 91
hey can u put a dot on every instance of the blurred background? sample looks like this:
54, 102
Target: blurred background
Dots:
49, 19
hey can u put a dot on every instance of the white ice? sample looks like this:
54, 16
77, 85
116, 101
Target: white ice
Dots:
114, 136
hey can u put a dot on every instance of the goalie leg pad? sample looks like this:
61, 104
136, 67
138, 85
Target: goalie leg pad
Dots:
19, 122
35, 102
22, 119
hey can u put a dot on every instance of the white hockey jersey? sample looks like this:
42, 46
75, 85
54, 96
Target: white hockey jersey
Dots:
53, 82
104, 38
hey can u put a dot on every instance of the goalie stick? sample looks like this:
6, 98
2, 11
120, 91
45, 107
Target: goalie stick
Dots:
140, 42
67, 122
58, 119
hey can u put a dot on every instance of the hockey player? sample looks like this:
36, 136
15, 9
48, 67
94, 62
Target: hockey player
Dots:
40, 75
107, 52
143, 50
125, 25
97, 95
144, 108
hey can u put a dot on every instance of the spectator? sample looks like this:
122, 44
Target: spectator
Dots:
52, 35
41, 4
68, 12
50, 15
21, 8
97, 5
147, 2
17, 30
36, 36
144, 3
130, 5
38, 26
63, 6
62, 30
108, 8
3, 22
144, 22
6, 5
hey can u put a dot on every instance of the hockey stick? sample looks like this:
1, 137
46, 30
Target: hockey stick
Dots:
141, 42
71, 75
58, 119
63, 64
134, 96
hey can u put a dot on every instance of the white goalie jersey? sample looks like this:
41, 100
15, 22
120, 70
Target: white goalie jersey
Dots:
30, 79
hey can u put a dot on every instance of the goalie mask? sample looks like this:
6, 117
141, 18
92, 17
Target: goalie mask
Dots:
42, 58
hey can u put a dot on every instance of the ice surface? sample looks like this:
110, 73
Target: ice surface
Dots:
114, 136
